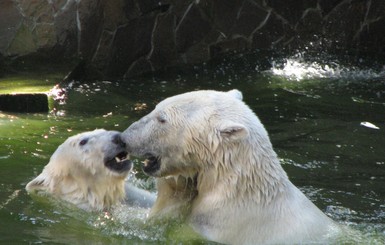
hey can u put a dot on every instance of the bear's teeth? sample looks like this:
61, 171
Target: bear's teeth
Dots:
118, 159
145, 162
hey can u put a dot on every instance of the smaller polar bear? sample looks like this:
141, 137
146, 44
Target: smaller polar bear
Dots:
89, 170
216, 168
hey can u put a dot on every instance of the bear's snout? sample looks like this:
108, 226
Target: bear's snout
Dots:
125, 138
117, 140
130, 137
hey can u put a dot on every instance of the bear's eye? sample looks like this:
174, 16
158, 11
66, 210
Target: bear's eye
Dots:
83, 142
161, 119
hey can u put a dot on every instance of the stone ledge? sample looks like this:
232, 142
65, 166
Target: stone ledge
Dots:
22, 102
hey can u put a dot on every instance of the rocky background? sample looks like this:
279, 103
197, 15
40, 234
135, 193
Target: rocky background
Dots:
123, 38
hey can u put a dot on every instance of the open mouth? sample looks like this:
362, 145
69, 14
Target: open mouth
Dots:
151, 164
120, 163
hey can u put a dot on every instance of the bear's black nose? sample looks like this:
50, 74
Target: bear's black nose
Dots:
116, 139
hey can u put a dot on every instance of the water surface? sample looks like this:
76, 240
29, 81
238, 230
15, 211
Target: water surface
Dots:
326, 121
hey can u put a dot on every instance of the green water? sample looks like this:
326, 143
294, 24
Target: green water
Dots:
314, 120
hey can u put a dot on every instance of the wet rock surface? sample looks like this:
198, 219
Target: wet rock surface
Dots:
124, 38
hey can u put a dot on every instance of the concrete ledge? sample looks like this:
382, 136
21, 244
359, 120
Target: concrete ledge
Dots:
24, 102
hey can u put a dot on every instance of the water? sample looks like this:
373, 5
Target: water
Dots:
326, 121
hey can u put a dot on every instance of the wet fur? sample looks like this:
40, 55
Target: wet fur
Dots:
242, 194
77, 173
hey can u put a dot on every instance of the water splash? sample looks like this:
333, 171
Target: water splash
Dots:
298, 68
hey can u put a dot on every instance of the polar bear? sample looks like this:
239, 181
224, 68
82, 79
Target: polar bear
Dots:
89, 170
235, 190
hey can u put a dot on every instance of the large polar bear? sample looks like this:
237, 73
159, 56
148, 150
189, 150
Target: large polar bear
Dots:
89, 170
216, 166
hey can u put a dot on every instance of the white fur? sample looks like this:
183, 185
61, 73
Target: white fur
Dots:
76, 173
242, 194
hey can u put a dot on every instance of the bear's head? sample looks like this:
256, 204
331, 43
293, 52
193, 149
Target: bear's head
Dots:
191, 132
86, 164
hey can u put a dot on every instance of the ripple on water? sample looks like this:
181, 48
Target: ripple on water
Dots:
129, 222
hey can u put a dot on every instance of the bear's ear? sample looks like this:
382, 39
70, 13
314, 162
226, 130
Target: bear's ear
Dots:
233, 131
37, 184
236, 94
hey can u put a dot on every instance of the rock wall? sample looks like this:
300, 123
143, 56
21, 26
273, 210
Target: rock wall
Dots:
128, 37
